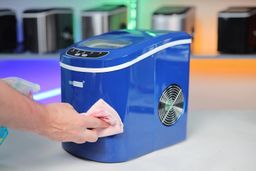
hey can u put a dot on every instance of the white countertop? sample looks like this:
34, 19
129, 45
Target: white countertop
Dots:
217, 140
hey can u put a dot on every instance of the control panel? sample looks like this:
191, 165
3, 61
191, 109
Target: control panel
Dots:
83, 53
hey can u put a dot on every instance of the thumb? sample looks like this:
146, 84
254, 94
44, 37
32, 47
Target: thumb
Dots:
93, 122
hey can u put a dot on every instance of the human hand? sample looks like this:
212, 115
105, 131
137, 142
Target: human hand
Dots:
64, 124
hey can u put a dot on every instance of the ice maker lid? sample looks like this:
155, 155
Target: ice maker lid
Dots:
119, 49
105, 8
43, 12
171, 10
4, 12
37, 10
237, 12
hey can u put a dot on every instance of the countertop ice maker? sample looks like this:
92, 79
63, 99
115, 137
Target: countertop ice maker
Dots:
174, 18
102, 19
144, 76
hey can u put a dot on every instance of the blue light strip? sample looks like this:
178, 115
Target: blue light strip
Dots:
47, 94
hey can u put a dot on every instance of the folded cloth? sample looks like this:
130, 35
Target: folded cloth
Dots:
105, 112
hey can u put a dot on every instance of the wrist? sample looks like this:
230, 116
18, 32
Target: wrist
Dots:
42, 119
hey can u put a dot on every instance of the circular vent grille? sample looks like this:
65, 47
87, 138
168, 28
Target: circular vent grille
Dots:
171, 105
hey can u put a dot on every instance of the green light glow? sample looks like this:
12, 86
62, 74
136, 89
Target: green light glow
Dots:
132, 20
151, 33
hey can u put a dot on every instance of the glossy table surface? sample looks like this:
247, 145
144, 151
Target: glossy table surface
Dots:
221, 129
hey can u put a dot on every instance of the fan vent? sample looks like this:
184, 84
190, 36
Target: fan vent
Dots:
171, 105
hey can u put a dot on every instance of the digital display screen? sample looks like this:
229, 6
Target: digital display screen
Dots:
106, 44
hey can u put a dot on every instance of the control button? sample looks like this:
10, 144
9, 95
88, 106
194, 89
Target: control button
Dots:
94, 54
72, 51
77, 54
84, 55
103, 53
97, 54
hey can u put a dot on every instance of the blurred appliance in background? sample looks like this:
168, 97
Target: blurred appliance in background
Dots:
103, 19
174, 18
64, 27
8, 30
47, 30
237, 30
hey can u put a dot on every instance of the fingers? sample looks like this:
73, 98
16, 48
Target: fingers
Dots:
73, 127
89, 121
87, 136
93, 122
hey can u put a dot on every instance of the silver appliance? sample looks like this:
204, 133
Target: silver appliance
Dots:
103, 19
47, 30
174, 18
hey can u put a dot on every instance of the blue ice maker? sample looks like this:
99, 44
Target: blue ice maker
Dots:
144, 76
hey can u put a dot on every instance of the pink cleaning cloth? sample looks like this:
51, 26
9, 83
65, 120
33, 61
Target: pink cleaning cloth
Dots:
104, 111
